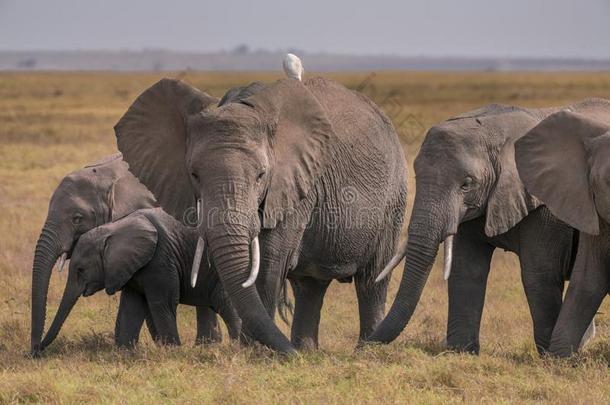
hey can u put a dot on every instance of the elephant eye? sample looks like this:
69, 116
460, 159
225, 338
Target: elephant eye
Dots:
195, 177
260, 176
77, 219
467, 183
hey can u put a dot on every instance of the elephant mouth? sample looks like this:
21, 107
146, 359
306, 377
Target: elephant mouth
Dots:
91, 289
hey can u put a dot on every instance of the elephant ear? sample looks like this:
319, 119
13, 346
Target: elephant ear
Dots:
152, 137
553, 163
239, 93
509, 202
126, 195
128, 248
300, 135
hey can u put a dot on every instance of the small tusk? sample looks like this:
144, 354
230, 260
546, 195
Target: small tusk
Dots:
256, 260
197, 261
448, 256
198, 211
62, 261
588, 336
402, 251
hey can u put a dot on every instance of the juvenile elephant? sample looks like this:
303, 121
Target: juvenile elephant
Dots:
148, 256
101, 192
565, 161
468, 194
312, 169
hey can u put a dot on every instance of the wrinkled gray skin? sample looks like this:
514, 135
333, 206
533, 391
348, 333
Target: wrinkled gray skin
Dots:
467, 185
313, 169
148, 256
565, 161
99, 193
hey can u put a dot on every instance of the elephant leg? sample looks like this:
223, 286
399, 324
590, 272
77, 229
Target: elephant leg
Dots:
588, 286
132, 311
547, 247
276, 255
231, 320
371, 301
467, 286
152, 330
309, 296
164, 317
543, 285
208, 329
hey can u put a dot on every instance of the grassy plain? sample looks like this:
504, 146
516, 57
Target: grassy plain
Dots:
53, 123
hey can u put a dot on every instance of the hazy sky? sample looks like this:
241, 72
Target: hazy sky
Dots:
555, 28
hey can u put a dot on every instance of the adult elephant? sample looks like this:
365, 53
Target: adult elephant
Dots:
565, 162
312, 169
101, 192
469, 195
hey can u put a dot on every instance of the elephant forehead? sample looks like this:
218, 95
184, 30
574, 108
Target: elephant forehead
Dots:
232, 120
448, 142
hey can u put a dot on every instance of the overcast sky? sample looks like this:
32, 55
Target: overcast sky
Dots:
541, 28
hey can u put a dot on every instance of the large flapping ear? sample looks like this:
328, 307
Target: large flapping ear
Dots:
553, 164
126, 195
508, 202
598, 151
152, 137
300, 135
128, 248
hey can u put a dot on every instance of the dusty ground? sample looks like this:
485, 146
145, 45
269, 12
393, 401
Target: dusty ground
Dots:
51, 124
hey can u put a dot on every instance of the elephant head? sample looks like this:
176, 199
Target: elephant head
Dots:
261, 152
101, 192
565, 161
464, 170
106, 257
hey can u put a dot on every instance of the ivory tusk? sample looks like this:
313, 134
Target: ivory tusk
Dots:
402, 251
62, 262
448, 256
256, 259
197, 261
198, 211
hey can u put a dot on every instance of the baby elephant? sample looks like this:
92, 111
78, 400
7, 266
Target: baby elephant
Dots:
148, 256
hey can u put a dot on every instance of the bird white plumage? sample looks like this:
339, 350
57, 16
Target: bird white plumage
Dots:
293, 66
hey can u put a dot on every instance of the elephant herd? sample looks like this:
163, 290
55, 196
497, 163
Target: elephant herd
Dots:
219, 203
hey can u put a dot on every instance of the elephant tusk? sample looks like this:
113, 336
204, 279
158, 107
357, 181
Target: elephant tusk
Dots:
448, 256
402, 251
198, 211
256, 260
62, 262
197, 261
588, 336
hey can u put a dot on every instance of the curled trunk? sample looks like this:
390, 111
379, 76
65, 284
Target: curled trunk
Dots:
421, 253
48, 249
230, 251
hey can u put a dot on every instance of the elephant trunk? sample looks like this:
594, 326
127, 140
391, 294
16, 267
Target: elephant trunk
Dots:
425, 235
68, 300
48, 249
230, 251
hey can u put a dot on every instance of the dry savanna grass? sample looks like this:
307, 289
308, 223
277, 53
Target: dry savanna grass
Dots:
53, 123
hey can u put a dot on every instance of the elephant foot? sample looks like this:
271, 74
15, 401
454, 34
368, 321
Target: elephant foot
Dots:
305, 344
471, 347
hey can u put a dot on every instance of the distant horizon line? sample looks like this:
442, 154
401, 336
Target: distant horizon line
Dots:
253, 51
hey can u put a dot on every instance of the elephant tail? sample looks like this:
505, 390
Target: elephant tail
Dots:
285, 305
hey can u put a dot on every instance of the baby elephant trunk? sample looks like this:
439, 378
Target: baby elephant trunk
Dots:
68, 300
